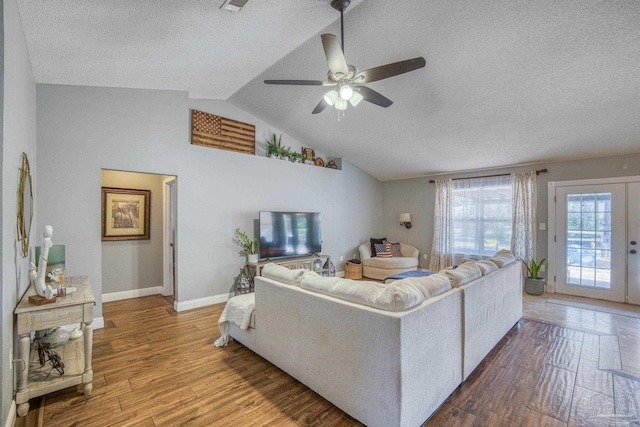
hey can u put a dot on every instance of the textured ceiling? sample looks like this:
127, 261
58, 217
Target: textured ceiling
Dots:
506, 82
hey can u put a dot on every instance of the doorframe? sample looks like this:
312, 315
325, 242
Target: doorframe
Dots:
170, 207
551, 208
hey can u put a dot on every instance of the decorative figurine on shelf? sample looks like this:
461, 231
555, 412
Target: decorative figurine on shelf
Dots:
42, 289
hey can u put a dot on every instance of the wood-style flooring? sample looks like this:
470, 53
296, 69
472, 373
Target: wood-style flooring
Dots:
155, 367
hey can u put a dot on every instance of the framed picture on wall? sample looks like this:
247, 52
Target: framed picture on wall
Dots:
308, 154
125, 214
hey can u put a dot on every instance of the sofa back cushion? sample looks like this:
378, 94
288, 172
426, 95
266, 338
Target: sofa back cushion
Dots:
486, 266
503, 257
390, 297
283, 274
463, 274
429, 286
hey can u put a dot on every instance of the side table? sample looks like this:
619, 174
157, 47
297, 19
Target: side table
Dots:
76, 307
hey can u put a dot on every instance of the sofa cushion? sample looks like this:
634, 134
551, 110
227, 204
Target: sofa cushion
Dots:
394, 263
374, 241
430, 286
283, 274
395, 249
390, 297
383, 250
503, 257
463, 274
486, 266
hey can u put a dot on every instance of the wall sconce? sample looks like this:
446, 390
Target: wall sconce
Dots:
405, 219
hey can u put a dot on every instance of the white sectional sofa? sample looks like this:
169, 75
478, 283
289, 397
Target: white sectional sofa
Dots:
388, 355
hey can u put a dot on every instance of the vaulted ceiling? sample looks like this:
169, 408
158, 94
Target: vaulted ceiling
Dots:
506, 82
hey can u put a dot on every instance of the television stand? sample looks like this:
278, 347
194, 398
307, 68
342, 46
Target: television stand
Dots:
305, 262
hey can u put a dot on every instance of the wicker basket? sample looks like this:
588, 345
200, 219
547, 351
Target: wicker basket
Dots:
352, 271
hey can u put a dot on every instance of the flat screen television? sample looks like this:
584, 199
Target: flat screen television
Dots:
289, 234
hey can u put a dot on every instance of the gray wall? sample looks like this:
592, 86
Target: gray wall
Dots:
18, 135
417, 195
135, 264
82, 130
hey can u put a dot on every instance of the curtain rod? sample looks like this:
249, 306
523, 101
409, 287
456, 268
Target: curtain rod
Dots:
538, 172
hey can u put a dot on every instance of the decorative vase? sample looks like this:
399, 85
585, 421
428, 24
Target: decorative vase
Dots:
534, 286
252, 257
244, 284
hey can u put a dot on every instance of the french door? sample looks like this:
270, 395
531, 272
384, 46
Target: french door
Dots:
633, 242
597, 237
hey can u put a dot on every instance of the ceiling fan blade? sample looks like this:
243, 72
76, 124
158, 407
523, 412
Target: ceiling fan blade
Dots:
320, 107
333, 52
389, 70
295, 82
374, 97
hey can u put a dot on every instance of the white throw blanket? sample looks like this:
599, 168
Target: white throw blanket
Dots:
238, 310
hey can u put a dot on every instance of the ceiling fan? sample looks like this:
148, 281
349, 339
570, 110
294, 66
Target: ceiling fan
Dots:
347, 79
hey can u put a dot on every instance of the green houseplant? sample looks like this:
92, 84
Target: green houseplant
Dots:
275, 149
248, 247
533, 283
295, 157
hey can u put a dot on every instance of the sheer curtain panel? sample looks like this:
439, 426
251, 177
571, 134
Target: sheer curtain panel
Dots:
524, 231
441, 250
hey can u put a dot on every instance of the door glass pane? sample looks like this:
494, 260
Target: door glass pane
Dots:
588, 240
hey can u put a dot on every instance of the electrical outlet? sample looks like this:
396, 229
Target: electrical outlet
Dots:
542, 268
354, 256
424, 256
11, 359
341, 257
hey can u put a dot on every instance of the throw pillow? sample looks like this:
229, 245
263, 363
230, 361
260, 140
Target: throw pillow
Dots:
375, 241
383, 250
395, 249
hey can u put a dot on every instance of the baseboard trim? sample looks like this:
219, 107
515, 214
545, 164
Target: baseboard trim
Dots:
200, 302
133, 293
98, 323
11, 417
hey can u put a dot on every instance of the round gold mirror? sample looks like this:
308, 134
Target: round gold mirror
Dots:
25, 206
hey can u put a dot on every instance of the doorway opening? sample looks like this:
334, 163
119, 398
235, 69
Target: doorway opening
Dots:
139, 267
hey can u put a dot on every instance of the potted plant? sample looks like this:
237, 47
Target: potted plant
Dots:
295, 157
533, 284
275, 149
248, 246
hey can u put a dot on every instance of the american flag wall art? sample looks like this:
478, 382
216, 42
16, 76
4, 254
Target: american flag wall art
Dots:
214, 131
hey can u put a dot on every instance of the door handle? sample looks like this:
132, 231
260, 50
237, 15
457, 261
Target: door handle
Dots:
633, 251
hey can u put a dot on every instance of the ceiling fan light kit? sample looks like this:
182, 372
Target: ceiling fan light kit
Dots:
349, 80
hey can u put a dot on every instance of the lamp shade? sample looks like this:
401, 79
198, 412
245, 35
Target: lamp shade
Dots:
340, 104
346, 92
330, 97
355, 98
405, 217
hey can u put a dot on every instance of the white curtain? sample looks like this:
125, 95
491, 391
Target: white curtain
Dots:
441, 250
524, 232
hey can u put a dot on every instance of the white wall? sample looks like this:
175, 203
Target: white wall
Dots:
18, 135
417, 195
135, 264
82, 130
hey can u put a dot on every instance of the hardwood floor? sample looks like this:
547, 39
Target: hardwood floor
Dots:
155, 367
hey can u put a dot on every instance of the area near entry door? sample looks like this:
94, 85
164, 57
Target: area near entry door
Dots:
591, 251
633, 242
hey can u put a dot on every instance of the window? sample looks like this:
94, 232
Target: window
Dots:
482, 216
